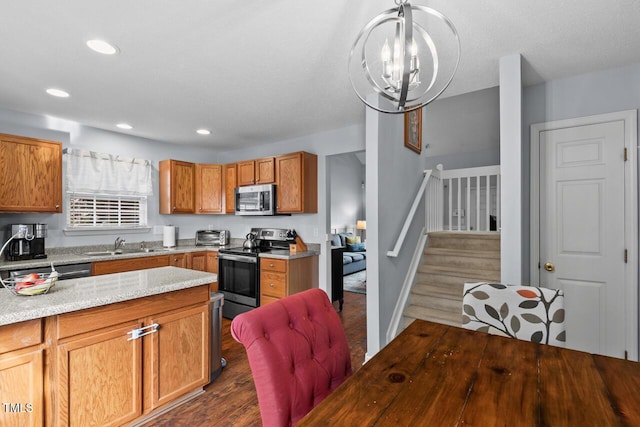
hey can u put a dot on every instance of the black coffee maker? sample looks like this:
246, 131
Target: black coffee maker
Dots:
28, 242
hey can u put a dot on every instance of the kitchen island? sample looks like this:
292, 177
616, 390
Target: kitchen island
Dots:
111, 349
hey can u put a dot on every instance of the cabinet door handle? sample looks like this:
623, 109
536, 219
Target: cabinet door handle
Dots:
140, 332
271, 284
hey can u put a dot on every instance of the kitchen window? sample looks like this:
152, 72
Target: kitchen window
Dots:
105, 191
86, 211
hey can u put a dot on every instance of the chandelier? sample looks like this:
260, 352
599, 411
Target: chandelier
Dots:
408, 55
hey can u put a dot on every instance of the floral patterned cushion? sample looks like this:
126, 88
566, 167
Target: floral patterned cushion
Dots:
524, 312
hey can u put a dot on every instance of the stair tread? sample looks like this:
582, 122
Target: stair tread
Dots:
448, 292
471, 253
451, 271
442, 316
436, 294
438, 302
490, 235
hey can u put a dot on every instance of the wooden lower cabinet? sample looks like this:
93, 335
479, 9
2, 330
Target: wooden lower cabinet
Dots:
200, 260
106, 376
22, 374
177, 356
281, 277
212, 267
197, 260
131, 264
178, 260
21, 388
100, 377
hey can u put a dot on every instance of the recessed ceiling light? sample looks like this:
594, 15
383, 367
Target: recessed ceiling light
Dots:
124, 126
102, 46
58, 92
204, 131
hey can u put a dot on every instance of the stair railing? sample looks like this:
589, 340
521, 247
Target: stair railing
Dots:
431, 189
471, 199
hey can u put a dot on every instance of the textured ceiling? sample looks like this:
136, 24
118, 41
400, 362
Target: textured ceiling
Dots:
257, 72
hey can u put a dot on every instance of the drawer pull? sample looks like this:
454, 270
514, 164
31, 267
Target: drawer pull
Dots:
272, 285
140, 332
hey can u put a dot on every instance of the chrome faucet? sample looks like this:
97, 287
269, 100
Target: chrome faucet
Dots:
119, 244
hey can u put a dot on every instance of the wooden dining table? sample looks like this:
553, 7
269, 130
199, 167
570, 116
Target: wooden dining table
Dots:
437, 375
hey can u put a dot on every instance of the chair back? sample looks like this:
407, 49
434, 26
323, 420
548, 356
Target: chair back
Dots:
524, 312
298, 354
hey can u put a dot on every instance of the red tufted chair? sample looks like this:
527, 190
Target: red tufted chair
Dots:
298, 354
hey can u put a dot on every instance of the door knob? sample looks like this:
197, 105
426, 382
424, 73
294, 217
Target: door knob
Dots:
549, 266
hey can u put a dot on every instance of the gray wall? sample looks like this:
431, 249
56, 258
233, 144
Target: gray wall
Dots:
578, 96
489, 157
463, 124
347, 175
394, 174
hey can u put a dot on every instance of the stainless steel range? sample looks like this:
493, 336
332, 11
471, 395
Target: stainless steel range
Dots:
239, 269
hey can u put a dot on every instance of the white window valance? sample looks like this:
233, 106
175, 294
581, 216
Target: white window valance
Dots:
99, 173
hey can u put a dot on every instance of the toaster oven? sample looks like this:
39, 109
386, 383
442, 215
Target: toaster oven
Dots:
212, 237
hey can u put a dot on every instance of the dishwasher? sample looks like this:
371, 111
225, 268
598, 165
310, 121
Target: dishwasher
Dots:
65, 271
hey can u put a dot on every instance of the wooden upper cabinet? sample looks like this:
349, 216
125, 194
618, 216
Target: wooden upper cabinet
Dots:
265, 170
208, 189
230, 183
260, 171
177, 187
30, 175
246, 173
297, 181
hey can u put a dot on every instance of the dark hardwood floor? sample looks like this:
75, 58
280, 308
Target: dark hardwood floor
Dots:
231, 399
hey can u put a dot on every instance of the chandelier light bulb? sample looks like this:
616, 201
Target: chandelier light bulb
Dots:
425, 45
385, 54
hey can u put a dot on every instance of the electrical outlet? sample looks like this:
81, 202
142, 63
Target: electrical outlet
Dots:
315, 231
157, 229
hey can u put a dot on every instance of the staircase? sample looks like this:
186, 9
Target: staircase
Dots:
449, 260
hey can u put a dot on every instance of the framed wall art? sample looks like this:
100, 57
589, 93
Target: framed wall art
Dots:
413, 130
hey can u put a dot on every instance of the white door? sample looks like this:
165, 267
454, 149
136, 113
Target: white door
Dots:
582, 233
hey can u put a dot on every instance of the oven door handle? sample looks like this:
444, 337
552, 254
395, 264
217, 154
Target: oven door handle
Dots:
230, 257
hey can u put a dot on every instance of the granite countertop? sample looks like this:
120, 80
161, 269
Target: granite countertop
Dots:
286, 254
77, 255
88, 292
59, 256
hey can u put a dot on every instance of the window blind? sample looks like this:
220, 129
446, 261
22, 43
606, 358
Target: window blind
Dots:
106, 211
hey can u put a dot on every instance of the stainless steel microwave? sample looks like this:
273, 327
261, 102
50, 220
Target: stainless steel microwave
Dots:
256, 200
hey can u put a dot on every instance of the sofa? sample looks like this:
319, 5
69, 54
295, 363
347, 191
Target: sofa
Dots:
354, 258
